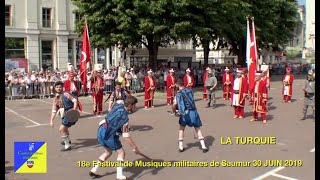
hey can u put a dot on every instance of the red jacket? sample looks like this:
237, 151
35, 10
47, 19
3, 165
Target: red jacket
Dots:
185, 81
67, 87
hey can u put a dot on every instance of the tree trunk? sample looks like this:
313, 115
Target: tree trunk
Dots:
242, 54
205, 44
153, 52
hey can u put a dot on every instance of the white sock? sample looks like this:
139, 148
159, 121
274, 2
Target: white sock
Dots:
180, 143
96, 167
66, 141
119, 169
202, 143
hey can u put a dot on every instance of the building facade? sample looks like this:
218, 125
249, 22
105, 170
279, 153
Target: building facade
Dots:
42, 31
44, 28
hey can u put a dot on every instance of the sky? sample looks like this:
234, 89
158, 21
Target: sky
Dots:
301, 2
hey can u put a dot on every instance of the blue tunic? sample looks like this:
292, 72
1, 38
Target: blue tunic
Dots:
109, 132
187, 109
68, 104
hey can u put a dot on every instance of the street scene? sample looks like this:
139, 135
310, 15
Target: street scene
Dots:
160, 89
155, 132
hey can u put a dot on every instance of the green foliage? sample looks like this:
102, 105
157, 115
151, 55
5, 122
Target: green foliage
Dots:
157, 23
293, 52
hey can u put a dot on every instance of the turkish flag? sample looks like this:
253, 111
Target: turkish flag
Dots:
85, 56
253, 59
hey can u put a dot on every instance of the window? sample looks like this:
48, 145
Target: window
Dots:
101, 56
14, 48
8, 16
46, 50
70, 51
78, 52
78, 17
46, 17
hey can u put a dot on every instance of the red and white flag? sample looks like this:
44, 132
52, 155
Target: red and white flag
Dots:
85, 55
248, 45
252, 61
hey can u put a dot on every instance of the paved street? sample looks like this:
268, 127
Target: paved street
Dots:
155, 132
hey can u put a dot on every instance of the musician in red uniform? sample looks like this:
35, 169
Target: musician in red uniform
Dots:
171, 86
260, 98
265, 78
227, 80
205, 75
188, 80
149, 89
70, 85
97, 86
287, 85
239, 93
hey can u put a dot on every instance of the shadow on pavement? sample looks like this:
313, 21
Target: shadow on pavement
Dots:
208, 141
269, 117
270, 108
141, 127
248, 114
85, 143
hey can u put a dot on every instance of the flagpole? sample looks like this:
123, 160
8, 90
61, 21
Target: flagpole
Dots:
255, 44
248, 43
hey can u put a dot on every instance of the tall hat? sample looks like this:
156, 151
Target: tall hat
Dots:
98, 67
69, 67
240, 70
259, 73
171, 70
288, 69
149, 71
188, 70
227, 69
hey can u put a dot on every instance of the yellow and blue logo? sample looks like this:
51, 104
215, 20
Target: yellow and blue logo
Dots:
30, 157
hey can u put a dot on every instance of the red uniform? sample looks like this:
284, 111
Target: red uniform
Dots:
171, 89
266, 80
205, 75
238, 96
227, 80
287, 87
188, 81
149, 89
260, 100
72, 87
97, 86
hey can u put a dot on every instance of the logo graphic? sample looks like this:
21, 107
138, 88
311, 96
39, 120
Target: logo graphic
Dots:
30, 164
30, 157
31, 146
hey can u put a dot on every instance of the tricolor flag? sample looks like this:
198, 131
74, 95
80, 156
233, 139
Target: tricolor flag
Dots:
85, 55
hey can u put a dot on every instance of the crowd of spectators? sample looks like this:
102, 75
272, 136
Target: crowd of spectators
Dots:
40, 83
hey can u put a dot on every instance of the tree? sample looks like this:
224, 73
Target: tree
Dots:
275, 22
129, 22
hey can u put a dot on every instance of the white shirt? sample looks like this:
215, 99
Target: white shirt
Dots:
236, 85
165, 75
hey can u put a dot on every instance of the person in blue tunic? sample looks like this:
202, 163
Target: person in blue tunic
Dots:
188, 114
110, 129
62, 102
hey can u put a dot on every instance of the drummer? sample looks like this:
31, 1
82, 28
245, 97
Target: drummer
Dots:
62, 102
